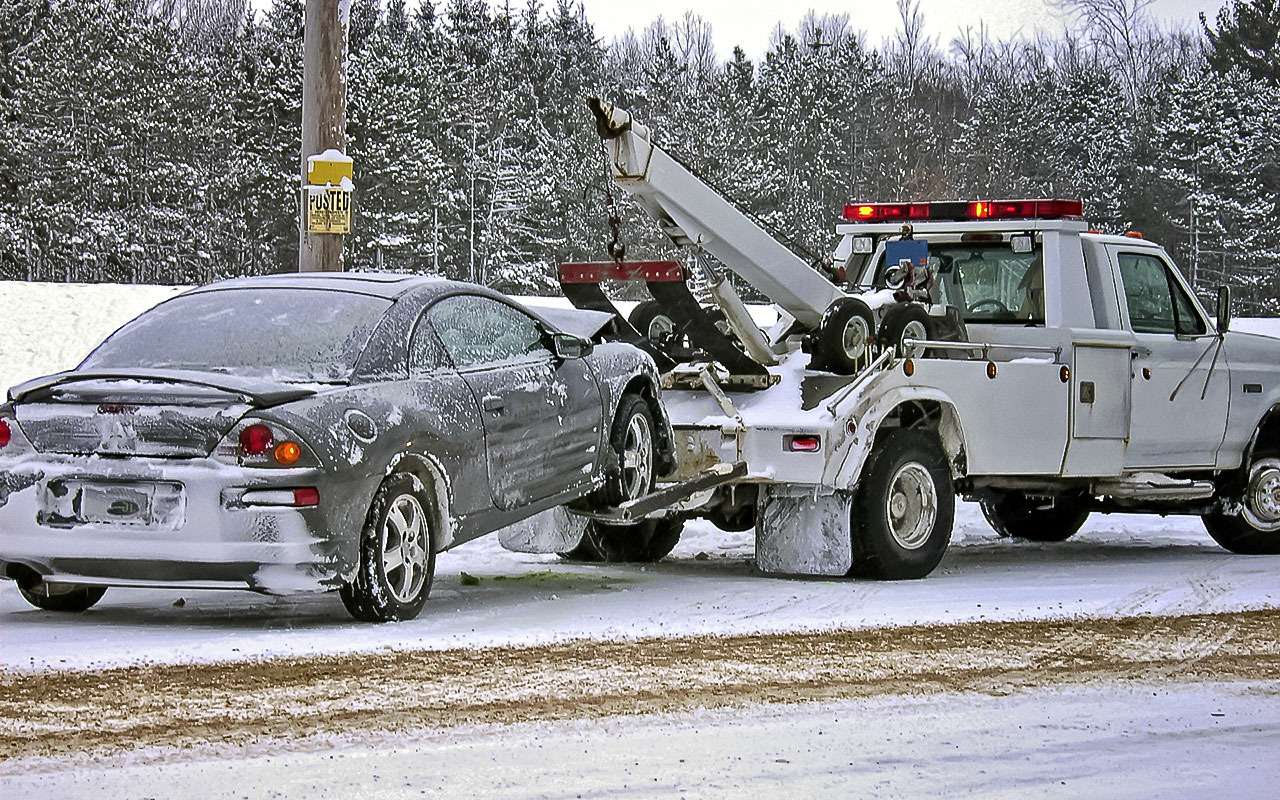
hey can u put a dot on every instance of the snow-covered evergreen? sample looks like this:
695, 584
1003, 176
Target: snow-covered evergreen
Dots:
158, 141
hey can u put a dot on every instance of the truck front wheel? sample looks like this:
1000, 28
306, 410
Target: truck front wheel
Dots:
1013, 514
903, 509
1256, 530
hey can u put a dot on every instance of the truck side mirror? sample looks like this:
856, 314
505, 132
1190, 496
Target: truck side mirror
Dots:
1224, 309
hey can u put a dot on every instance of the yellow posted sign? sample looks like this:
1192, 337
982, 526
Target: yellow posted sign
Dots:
328, 209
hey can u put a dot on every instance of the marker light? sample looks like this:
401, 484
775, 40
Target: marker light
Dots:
288, 453
992, 370
909, 367
1065, 374
803, 443
255, 440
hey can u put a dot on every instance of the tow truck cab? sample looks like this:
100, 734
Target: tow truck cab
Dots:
1135, 376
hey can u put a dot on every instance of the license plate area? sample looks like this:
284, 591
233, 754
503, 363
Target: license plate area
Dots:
149, 505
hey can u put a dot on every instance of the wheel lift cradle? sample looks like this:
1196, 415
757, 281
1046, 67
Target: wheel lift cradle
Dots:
800, 529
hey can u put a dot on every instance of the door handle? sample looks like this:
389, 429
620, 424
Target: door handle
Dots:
493, 403
1142, 352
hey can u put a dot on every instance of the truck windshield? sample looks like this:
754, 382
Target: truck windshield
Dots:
987, 281
291, 335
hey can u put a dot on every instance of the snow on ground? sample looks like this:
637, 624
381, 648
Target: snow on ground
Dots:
1110, 740
1118, 566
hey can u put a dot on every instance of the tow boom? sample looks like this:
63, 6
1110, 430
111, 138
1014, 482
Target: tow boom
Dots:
692, 214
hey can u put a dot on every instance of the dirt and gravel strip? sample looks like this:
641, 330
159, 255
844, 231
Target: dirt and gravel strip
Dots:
64, 713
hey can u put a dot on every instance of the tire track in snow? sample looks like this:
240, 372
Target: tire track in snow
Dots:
94, 713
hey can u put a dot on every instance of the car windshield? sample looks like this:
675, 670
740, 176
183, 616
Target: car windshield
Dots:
988, 281
291, 335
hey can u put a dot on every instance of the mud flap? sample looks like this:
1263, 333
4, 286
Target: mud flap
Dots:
803, 533
552, 531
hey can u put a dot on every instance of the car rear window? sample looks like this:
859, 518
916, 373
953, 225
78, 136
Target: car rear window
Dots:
291, 335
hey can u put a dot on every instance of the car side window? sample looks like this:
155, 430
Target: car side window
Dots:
1157, 304
425, 352
479, 330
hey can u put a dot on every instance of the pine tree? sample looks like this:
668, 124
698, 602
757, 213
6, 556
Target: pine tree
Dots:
1247, 38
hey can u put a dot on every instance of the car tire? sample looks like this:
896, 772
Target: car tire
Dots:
1012, 515
897, 536
904, 321
1255, 530
846, 335
644, 542
651, 321
633, 439
397, 557
65, 598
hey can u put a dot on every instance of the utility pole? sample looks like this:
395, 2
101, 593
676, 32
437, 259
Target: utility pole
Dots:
324, 114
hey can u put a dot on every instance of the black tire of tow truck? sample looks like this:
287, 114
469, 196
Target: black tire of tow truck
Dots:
876, 551
1011, 515
645, 314
1235, 535
67, 599
895, 323
645, 542
841, 314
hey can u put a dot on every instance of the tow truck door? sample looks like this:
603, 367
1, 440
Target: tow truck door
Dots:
1180, 394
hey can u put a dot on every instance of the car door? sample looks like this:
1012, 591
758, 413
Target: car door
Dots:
446, 422
1180, 392
542, 415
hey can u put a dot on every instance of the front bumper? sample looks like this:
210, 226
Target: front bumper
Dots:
214, 541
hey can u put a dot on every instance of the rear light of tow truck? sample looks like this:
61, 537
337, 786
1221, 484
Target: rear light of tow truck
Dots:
802, 443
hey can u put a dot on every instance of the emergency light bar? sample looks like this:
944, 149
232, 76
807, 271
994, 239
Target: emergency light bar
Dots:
963, 210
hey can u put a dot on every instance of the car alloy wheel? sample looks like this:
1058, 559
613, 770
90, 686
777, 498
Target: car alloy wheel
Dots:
404, 547
637, 457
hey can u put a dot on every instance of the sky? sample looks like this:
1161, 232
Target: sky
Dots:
749, 23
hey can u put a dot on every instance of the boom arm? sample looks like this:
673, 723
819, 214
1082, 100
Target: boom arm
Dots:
692, 214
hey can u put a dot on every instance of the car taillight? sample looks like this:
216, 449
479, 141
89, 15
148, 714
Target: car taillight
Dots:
287, 453
306, 496
6, 433
255, 439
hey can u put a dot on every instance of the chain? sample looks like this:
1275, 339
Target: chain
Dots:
617, 248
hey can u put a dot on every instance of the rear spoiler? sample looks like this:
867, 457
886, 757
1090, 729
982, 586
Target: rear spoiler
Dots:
260, 393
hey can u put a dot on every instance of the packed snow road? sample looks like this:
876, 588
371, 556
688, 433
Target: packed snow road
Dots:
1132, 740
1118, 566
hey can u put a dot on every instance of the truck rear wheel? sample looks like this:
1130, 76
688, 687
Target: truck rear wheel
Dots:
1014, 515
903, 509
1256, 530
646, 542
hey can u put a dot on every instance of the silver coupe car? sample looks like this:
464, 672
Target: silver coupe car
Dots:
297, 433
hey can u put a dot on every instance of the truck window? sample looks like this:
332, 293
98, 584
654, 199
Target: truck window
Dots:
988, 282
1157, 304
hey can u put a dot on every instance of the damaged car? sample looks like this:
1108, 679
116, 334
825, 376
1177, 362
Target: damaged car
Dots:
313, 432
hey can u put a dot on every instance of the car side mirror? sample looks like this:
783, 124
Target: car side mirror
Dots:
567, 346
1224, 309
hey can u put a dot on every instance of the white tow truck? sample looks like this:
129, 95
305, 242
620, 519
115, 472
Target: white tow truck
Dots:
997, 350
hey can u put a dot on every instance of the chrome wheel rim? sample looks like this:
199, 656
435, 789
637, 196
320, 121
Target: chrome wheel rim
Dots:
912, 506
854, 340
637, 458
1262, 499
913, 330
405, 548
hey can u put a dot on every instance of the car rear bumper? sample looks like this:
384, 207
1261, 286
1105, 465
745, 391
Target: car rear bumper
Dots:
214, 540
